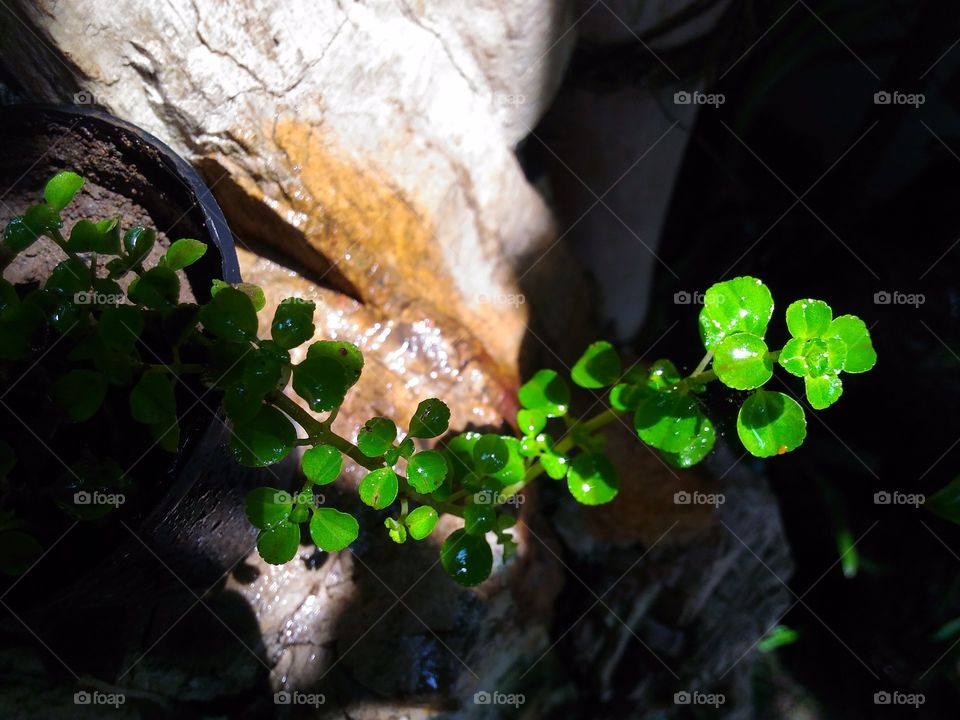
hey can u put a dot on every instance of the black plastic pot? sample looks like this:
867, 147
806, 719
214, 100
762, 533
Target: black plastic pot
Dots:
195, 530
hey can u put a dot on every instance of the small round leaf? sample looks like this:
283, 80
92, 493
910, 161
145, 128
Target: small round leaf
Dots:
667, 421
321, 382
379, 488
230, 316
426, 471
823, 391
741, 362
490, 454
466, 558
321, 464
598, 367
546, 391
183, 253
771, 423
421, 522
266, 507
592, 479
853, 331
61, 188
743, 304
808, 319
376, 436
266, 439
431, 419
333, 530
293, 323
279, 544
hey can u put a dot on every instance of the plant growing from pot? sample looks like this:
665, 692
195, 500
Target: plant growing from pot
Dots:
137, 351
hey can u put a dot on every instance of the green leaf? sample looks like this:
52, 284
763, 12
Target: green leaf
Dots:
743, 304
18, 552
166, 434
240, 403
466, 558
531, 422
18, 236
556, 466
120, 327
138, 241
662, 375
347, 354
183, 253
293, 323
546, 391
68, 278
109, 242
267, 507
266, 439
230, 316
853, 331
813, 358
379, 488
771, 423
42, 219
61, 188
808, 319
823, 391
515, 467
396, 531
279, 544
376, 436
85, 236
426, 471
421, 522
333, 530
431, 419
592, 479
321, 382
490, 454
254, 292
261, 372
698, 448
667, 421
946, 502
80, 393
624, 397
479, 518
598, 367
741, 362
322, 464
158, 289
152, 400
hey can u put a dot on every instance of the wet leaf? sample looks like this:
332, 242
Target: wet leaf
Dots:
333, 530
61, 188
279, 544
592, 479
426, 471
771, 423
546, 391
230, 316
740, 361
667, 421
823, 391
183, 253
808, 319
466, 558
379, 488
743, 304
321, 382
267, 507
421, 522
860, 355
431, 419
598, 367
266, 439
322, 464
376, 436
293, 323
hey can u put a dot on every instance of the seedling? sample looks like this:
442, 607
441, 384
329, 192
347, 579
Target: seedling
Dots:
475, 476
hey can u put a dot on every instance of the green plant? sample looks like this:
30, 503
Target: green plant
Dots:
472, 475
